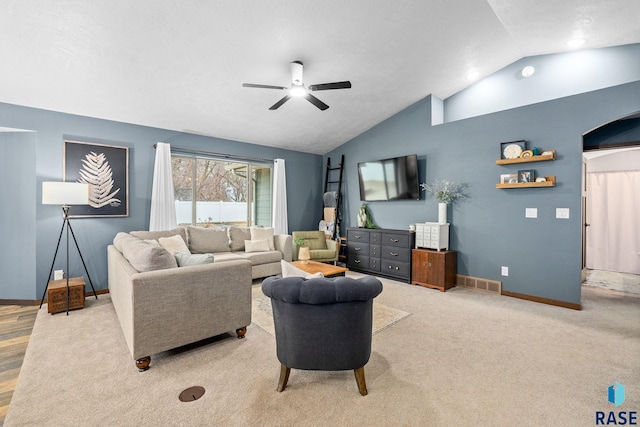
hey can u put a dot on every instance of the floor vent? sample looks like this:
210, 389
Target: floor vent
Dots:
486, 285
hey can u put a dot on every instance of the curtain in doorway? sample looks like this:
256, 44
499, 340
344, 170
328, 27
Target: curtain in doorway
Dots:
280, 222
163, 205
613, 212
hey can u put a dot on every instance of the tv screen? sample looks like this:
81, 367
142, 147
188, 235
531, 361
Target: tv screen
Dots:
389, 179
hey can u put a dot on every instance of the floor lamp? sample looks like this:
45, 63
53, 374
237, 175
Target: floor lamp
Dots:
65, 194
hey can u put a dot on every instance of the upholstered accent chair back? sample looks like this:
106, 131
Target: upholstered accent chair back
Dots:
323, 324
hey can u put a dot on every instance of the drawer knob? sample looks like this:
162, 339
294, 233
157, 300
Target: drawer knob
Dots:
397, 268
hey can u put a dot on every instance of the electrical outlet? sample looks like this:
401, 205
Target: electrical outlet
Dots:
531, 213
505, 271
562, 213
58, 275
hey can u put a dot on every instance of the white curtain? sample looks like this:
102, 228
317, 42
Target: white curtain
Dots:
280, 222
613, 212
163, 205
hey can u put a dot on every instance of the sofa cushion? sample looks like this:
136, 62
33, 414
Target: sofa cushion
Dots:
185, 259
228, 256
207, 240
174, 244
256, 245
322, 253
141, 255
260, 258
155, 235
237, 236
262, 233
290, 270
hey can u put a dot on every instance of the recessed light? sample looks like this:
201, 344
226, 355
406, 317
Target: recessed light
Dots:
528, 71
576, 43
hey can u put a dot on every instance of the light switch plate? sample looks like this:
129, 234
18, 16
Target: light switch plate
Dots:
562, 213
505, 271
531, 213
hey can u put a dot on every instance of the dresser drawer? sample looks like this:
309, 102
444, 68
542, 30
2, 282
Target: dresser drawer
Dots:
391, 253
358, 261
375, 251
397, 240
357, 236
375, 237
358, 248
398, 269
374, 264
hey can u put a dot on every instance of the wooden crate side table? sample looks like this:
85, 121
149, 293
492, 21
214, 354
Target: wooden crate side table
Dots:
434, 269
57, 295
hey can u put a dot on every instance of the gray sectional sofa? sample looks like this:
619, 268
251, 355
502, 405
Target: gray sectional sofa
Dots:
161, 305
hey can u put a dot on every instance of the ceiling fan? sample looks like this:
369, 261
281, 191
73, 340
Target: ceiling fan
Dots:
299, 90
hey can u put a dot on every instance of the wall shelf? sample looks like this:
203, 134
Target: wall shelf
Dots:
550, 182
531, 159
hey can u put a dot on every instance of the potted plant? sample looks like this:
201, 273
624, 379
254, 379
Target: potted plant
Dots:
445, 192
298, 242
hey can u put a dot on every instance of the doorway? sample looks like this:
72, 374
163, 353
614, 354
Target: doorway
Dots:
611, 207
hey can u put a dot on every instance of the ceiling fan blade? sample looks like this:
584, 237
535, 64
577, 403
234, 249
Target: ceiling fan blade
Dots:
263, 86
279, 103
315, 101
328, 86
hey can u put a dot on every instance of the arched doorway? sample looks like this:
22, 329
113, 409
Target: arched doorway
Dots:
611, 206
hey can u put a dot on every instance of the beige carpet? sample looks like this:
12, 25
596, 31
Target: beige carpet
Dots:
462, 358
261, 315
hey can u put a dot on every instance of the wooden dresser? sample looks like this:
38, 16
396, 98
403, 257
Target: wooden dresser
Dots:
380, 251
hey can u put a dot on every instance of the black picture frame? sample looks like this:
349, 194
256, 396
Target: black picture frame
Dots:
106, 169
527, 175
521, 143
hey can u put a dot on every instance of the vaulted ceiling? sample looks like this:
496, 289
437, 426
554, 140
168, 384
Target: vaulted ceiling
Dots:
180, 64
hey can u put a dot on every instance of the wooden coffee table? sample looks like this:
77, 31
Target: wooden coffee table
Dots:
327, 270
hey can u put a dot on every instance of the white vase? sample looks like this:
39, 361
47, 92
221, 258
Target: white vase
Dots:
442, 213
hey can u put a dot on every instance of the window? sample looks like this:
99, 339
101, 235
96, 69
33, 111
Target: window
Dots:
212, 192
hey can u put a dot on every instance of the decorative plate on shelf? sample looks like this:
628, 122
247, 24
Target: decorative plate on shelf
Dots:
512, 151
526, 153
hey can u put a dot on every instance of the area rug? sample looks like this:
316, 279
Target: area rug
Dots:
261, 315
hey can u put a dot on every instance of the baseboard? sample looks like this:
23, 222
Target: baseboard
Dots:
29, 302
476, 283
549, 301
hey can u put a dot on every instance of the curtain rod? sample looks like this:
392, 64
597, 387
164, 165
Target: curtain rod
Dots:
214, 154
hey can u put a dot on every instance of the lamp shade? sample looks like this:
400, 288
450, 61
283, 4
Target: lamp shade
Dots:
65, 193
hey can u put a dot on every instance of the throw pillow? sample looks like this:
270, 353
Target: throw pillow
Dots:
144, 257
174, 244
186, 259
256, 245
237, 236
207, 240
153, 243
290, 270
262, 233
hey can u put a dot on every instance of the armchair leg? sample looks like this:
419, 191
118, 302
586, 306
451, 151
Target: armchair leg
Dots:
362, 385
284, 377
143, 363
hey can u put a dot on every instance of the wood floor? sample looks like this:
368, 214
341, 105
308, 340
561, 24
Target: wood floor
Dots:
16, 323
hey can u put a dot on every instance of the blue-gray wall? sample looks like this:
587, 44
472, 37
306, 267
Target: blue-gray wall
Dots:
40, 160
490, 230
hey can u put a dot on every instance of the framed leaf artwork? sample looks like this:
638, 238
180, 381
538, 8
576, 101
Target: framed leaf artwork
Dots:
106, 169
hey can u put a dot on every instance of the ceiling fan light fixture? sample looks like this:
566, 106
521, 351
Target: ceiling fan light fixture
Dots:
298, 91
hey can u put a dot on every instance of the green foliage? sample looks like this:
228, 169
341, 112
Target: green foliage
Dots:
446, 191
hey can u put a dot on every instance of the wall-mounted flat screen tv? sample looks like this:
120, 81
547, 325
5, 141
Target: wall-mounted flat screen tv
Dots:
389, 179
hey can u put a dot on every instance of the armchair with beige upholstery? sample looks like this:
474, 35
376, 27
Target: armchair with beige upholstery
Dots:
321, 249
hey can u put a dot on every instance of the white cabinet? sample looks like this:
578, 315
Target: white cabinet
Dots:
432, 235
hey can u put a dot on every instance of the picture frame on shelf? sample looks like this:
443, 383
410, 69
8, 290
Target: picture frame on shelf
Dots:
512, 149
508, 178
526, 175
